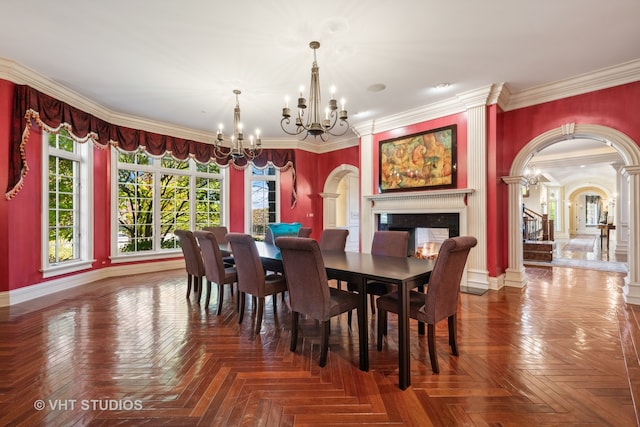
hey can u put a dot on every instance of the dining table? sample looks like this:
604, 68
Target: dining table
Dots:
360, 268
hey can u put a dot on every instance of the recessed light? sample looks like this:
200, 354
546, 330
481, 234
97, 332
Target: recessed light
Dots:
443, 85
378, 87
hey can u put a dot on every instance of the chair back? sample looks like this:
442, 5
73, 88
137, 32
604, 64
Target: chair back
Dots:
219, 231
390, 243
333, 239
268, 236
250, 271
191, 252
304, 232
211, 255
441, 300
306, 276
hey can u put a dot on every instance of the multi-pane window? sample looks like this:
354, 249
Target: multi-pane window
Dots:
208, 192
156, 196
263, 198
67, 203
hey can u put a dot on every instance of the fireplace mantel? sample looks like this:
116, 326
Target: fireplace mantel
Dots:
420, 201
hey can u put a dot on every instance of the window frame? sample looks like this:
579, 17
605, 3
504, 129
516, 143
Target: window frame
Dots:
249, 178
83, 154
157, 170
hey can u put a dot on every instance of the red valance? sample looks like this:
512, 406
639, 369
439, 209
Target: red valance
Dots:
51, 115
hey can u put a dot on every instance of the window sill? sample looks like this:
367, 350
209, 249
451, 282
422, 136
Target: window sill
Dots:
150, 256
66, 268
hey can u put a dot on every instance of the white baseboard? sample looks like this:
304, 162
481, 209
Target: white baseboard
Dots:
17, 296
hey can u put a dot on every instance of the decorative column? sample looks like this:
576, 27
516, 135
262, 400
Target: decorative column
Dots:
631, 289
329, 209
621, 212
367, 226
515, 275
476, 104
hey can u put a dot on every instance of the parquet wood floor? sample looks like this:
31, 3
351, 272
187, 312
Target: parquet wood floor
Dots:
134, 351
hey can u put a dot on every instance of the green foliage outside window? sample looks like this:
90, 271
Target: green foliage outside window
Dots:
179, 183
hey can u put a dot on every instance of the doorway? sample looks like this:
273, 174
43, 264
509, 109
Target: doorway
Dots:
341, 203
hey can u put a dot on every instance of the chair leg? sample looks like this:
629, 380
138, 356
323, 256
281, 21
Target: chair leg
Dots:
373, 304
382, 327
260, 314
349, 316
220, 298
452, 320
199, 290
324, 345
189, 282
431, 333
208, 297
294, 330
241, 298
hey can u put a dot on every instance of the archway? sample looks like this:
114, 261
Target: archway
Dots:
630, 154
341, 202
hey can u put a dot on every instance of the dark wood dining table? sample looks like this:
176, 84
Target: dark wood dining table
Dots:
359, 268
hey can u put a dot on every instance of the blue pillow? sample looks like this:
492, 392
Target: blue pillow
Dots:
279, 229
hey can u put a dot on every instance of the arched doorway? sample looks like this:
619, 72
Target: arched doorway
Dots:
341, 207
629, 152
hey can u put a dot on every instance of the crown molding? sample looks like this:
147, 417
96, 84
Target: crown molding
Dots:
604, 78
499, 93
421, 114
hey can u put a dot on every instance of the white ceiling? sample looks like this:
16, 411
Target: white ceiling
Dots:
178, 62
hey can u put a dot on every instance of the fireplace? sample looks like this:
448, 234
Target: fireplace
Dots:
427, 231
429, 216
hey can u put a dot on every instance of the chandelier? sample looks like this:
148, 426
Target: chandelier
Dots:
312, 121
532, 176
236, 149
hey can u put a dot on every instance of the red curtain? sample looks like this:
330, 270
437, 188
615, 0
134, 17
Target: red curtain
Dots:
51, 114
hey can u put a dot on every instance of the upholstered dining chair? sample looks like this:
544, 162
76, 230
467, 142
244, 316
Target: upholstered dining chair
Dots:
388, 243
193, 261
441, 299
304, 232
309, 291
252, 278
214, 267
220, 231
334, 239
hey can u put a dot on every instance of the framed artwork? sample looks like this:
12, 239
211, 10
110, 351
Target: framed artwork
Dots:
425, 160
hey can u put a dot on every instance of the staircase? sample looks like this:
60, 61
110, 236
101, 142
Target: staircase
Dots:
537, 235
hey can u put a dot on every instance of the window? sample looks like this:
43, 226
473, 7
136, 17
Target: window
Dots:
263, 197
156, 196
67, 199
592, 211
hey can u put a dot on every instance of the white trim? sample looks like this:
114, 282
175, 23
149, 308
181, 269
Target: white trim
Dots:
248, 202
146, 256
83, 155
44, 289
